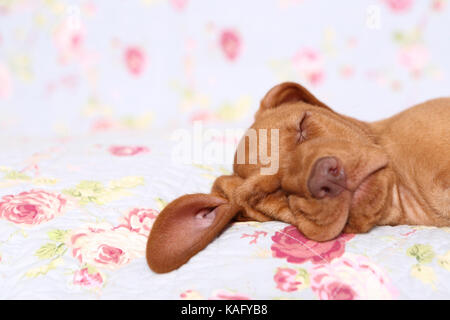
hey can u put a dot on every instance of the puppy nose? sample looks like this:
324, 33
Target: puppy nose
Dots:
327, 178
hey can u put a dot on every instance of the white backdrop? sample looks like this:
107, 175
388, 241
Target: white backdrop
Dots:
83, 67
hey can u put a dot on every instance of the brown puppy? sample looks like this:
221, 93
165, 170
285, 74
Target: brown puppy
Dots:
336, 174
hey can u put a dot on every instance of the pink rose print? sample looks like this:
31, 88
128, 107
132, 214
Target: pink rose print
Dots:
103, 246
107, 254
255, 236
414, 57
336, 291
438, 5
347, 71
135, 60
309, 64
191, 295
351, 277
84, 278
228, 295
69, 41
289, 243
399, 6
179, 4
123, 151
202, 115
285, 279
216, 295
104, 124
32, 207
139, 220
230, 42
5, 82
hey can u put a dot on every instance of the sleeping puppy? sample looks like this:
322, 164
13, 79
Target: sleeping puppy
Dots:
336, 174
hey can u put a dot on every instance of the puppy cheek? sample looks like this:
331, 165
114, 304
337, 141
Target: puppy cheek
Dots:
308, 208
368, 211
321, 211
321, 220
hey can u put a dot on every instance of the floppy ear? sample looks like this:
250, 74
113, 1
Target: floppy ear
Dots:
288, 92
184, 227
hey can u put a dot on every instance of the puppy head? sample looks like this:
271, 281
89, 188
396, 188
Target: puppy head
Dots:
329, 176
331, 171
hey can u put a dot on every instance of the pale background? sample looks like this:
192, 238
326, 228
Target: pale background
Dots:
83, 67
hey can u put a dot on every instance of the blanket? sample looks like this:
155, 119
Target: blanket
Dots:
75, 215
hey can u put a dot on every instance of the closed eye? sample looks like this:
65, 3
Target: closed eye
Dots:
302, 134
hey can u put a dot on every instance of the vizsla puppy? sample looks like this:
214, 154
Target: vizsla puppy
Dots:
336, 174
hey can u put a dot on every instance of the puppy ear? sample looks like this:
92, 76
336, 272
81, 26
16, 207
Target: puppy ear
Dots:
233, 187
289, 92
184, 227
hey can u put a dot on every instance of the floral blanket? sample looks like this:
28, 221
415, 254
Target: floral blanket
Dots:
75, 215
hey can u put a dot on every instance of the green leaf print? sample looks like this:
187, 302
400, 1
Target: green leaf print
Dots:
127, 182
15, 175
302, 277
423, 253
47, 251
93, 191
161, 203
444, 261
57, 235
51, 250
43, 270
